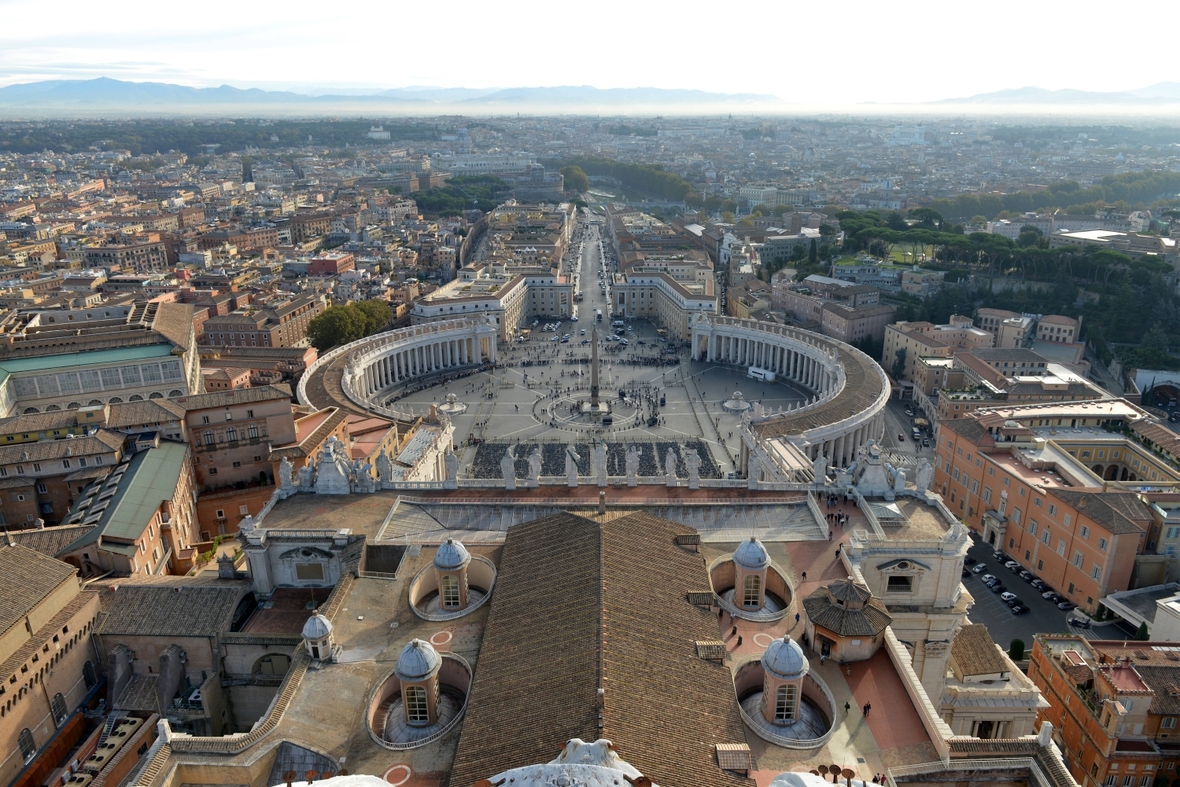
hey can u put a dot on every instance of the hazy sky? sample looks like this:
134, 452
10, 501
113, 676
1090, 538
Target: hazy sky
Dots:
802, 52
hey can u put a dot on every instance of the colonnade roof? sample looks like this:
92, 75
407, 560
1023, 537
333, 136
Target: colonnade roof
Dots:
864, 383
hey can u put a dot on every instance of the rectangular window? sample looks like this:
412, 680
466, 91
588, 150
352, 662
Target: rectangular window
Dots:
1061, 546
1016, 515
1052, 510
991, 471
987, 495
901, 585
1037, 503
1169, 723
1085, 530
1102, 544
309, 572
1067, 520
1032, 527
1077, 559
1096, 572
1046, 537
417, 711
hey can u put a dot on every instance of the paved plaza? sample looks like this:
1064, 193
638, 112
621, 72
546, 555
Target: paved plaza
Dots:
536, 396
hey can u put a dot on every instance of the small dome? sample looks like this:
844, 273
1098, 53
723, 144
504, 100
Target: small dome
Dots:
417, 661
317, 627
785, 660
451, 556
751, 555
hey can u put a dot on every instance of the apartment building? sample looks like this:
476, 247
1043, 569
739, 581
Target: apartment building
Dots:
1114, 708
501, 297
231, 433
1038, 482
668, 289
1056, 328
138, 255
927, 340
281, 323
47, 666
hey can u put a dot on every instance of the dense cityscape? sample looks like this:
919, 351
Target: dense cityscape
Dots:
734, 449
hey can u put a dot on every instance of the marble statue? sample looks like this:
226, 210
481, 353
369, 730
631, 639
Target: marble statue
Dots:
571, 466
753, 472
820, 467
899, 480
925, 475
285, 470
508, 469
452, 463
332, 469
600, 462
354, 475
669, 468
366, 484
246, 526
692, 460
632, 465
535, 467
384, 468
306, 482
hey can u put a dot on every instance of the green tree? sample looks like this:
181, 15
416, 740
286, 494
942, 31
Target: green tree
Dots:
376, 314
727, 216
729, 205
899, 364
336, 325
1016, 650
1141, 633
575, 178
813, 253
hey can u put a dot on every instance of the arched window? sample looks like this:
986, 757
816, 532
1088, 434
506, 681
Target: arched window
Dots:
750, 592
58, 706
784, 703
155, 395
231, 435
176, 392
273, 664
210, 439
450, 591
135, 398
252, 431
417, 711
27, 747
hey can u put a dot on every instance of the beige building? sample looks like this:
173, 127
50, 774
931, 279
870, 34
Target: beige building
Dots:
47, 667
927, 340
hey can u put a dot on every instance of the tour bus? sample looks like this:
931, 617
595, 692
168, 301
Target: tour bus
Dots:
757, 373
598, 315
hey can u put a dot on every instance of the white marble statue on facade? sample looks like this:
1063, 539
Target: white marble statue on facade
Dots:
692, 461
571, 466
306, 479
925, 475
600, 462
899, 480
285, 470
384, 468
452, 463
535, 467
332, 470
820, 468
632, 464
508, 469
669, 468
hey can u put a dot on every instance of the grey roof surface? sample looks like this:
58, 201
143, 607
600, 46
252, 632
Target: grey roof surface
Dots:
27, 577
160, 610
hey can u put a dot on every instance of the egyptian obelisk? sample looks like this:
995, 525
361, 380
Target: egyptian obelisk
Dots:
594, 370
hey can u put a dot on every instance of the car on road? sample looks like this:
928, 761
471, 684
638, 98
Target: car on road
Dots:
910, 413
925, 443
900, 437
980, 568
1006, 596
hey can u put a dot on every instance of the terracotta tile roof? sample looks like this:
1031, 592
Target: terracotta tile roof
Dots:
974, 652
169, 611
579, 606
868, 621
26, 578
236, 396
1104, 508
103, 441
51, 541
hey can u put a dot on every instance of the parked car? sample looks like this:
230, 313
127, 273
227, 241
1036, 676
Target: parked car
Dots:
998, 587
988, 578
1051, 595
1019, 610
1026, 575
1066, 605
900, 437
979, 568
966, 574
1012, 566
1015, 602
1007, 596
1038, 584
970, 561
1000, 556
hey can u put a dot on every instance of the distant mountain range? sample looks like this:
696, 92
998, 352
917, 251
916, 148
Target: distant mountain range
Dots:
104, 94
1157, 94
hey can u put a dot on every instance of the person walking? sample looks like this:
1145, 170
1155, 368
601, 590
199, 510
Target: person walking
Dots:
796, 618
847, 708
804, 576
868, 707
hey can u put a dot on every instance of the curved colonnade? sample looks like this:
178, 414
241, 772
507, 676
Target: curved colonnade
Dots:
850, 388
378, 362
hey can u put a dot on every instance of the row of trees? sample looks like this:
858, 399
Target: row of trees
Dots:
650, 179
1131, 188
149, 136
472, 191
338, 325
